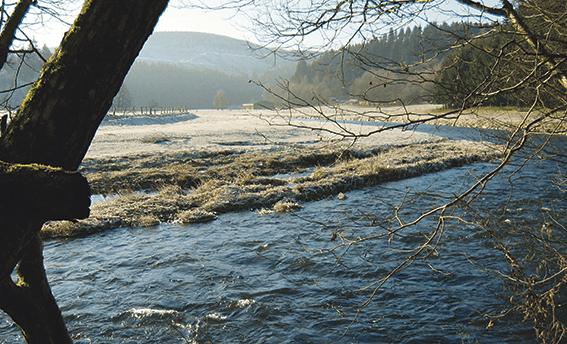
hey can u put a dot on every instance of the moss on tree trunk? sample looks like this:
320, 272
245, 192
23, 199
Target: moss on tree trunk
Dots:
54, 126
30, 195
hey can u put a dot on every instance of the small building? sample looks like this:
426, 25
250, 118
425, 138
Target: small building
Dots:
261, 105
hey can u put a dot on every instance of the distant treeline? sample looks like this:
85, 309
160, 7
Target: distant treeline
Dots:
336, 76
18, 74
398, 66
170, 85
501, 68
384, 69
411, 65
152, 85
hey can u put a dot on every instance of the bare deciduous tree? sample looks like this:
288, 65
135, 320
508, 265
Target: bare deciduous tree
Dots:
513, 52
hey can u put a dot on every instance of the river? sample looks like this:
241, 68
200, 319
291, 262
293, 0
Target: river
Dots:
250, 278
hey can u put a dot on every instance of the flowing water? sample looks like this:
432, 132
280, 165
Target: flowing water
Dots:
249, 278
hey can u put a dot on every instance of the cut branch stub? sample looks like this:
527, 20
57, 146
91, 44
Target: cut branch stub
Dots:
31, 195
42, 192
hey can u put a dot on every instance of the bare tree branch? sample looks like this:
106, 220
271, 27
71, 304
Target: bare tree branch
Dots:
8, 32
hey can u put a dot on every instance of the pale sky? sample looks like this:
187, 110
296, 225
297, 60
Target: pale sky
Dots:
217, 22
196, 20
173, 19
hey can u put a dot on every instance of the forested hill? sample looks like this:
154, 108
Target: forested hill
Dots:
390, 62
188, 69
197, 50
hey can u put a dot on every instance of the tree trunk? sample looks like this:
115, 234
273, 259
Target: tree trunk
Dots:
44, 193
30, 302
54, 126
61, 113
32, 194
9, 31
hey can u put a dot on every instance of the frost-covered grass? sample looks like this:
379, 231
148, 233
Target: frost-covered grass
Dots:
195, 187
489, 117
483, 117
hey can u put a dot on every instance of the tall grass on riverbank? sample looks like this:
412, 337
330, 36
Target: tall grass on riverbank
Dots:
188, 188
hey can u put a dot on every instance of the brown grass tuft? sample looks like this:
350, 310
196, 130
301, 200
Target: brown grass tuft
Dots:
196, 187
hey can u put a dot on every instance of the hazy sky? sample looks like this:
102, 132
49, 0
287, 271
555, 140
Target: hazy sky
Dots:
221, 22
173, 19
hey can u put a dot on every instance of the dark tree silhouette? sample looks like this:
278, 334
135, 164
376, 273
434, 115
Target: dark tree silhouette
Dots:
54, 126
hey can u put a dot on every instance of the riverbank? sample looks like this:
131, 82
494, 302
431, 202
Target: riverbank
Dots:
192, 167
489, 117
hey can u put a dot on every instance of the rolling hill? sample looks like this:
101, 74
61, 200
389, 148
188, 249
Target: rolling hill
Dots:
197, 50
188, 69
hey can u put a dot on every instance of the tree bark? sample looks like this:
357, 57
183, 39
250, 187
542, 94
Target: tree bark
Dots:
9, 31
54, 126
45, 192
59, 117
31, 195
42, 193
30, 302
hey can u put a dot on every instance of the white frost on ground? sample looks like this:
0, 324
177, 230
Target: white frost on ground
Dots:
132, 153
213, 130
